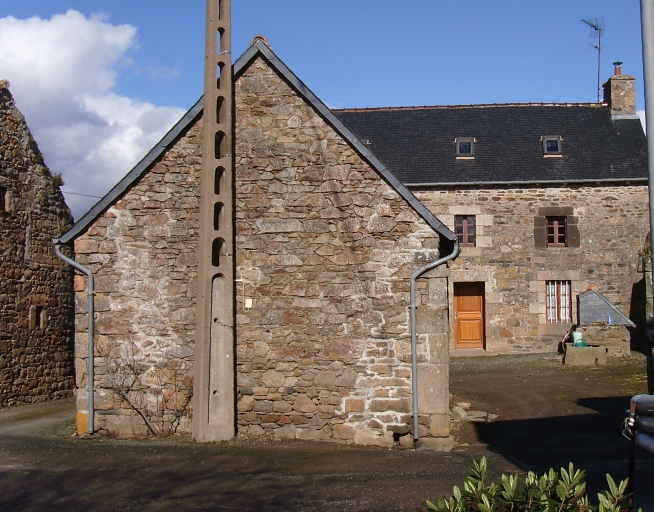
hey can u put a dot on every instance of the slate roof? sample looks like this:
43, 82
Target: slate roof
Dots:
258, 48
593, 307
417, 144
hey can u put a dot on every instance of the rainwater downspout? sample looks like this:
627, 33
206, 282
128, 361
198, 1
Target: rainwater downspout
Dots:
414, 348
90, 299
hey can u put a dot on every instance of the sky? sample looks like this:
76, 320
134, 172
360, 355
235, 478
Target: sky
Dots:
101, 81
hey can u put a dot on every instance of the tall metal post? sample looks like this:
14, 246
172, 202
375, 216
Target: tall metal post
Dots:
647, 26
214, 368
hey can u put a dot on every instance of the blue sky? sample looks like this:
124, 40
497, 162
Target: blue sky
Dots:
355, 53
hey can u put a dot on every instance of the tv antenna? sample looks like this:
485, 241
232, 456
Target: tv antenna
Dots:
596, 29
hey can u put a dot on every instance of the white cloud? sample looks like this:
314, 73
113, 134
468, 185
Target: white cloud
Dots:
62, 73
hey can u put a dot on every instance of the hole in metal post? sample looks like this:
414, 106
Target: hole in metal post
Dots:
219, 143
216, 248
218, 179
219, 106
219, 71
217, 212
219, 40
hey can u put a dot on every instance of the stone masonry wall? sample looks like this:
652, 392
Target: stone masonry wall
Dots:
325, 250
143, 254
36, 296
612, 221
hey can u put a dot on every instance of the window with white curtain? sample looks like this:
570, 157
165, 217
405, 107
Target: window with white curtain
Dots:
559, 302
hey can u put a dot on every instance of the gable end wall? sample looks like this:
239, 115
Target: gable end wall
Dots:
325, 251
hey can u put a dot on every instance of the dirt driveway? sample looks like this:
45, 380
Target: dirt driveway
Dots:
548, 415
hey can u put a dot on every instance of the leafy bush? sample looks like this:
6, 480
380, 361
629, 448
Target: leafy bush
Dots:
57, 180
548, 492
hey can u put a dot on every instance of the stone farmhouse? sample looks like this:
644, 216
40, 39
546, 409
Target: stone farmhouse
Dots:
334, 212
36, 297
547, 200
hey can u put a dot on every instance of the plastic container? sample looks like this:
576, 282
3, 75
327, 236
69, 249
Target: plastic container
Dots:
578, 339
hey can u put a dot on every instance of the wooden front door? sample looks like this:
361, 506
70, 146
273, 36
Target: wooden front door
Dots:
469, 315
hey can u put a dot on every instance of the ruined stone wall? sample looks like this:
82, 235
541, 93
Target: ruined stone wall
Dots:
612, 222
325, 251
36, 297
143, 254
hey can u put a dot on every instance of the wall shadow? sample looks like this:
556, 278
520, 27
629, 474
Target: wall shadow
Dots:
592, 442
638, 315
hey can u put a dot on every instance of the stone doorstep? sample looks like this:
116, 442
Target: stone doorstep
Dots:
435, 444
472, 352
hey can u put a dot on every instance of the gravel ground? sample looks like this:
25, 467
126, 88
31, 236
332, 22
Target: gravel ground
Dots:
547, 415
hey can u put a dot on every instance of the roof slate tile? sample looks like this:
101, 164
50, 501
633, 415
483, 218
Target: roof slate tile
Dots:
417, 144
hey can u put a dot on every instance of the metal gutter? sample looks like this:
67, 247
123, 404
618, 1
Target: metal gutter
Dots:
647, 34
91, 332
414, 337
526, 182
620, 117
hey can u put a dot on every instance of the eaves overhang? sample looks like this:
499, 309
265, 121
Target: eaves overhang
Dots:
544, 183
260, 48
135, 174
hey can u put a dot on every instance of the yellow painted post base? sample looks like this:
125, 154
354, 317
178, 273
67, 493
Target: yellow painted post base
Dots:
82, 422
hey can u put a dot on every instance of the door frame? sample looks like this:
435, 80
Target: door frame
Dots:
481, 286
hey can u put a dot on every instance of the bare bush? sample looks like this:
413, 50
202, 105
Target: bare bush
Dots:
158, 391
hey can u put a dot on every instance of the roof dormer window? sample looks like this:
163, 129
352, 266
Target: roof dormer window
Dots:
465, 147
552, 145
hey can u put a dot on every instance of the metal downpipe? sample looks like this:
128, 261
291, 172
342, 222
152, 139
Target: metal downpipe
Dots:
91, 348
647, 30
414, 337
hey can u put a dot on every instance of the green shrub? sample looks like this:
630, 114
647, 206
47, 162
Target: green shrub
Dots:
548, 492
57, 180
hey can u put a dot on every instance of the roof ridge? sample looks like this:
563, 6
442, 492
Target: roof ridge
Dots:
473, 105
258, 47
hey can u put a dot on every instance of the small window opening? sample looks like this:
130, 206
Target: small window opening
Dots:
38, 317
464, 228
4, 203
559, 302
552, 145
556, 232
465, 146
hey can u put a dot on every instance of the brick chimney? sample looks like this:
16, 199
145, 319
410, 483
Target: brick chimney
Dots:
620, 92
